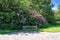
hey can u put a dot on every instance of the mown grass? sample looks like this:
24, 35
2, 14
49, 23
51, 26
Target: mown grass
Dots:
49, 28
9, 31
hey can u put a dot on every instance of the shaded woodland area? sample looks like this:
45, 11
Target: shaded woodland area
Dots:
17, 13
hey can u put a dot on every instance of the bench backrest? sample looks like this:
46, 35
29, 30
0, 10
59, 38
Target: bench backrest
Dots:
30, 27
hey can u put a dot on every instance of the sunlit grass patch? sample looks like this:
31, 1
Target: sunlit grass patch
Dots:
51, 28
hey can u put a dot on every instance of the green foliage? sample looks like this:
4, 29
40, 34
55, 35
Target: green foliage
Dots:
16, 13
57, 13
9, 5
44, 7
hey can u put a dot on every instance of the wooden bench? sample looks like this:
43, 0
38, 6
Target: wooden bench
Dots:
30, 28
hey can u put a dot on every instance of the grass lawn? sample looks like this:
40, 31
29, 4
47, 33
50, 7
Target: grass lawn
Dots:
8, 31
50, 28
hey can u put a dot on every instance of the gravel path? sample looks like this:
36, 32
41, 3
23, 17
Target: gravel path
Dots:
30, 36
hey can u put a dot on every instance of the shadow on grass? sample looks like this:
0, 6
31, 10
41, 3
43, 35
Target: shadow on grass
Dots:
16, 32
51, 25
51, 28
26, 33
10, 32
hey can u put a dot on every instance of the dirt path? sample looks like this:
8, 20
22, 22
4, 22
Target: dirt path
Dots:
30, 36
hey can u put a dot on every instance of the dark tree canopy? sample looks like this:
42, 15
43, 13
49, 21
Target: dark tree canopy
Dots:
16, 13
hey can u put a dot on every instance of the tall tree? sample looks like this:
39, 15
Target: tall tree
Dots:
57, 13
45, 8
